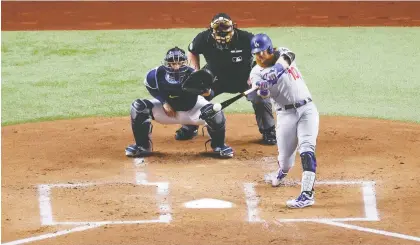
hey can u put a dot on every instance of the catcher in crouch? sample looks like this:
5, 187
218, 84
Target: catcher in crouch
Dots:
172, 104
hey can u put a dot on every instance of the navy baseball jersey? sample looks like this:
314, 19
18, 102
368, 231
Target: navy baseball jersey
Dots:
163, 88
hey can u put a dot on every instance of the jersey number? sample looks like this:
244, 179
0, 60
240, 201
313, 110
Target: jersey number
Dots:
295, 74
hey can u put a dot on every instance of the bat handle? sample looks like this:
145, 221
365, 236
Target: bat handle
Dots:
250, 91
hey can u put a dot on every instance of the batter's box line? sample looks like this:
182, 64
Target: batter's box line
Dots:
369, 200
46, 213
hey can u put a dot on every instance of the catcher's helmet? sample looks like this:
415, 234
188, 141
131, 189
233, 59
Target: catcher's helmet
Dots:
175, 64
222, 30
261, 42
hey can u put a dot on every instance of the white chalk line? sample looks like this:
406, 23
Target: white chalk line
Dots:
162, 190
371, 212
45, 208
51, 235
322, 219
375, 231
252, 202
162, 200
86, 184
46, 214
116, 222
369, 199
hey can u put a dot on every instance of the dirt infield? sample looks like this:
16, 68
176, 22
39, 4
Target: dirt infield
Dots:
140, 15
92, 151
68, 182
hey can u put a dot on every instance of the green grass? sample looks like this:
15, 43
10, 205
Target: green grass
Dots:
368, 72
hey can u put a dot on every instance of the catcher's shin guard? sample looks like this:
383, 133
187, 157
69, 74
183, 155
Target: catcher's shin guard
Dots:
141, 117
216, 127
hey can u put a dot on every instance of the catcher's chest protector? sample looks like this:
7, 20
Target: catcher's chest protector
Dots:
173, 93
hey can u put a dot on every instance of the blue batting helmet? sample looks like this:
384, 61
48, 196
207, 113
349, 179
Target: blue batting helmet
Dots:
261, 42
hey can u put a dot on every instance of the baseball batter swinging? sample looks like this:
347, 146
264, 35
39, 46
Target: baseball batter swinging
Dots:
276, 75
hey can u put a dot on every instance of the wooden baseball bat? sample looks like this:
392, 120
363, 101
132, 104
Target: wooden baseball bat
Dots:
226, 103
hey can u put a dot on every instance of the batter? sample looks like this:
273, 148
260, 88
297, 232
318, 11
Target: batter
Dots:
276, 75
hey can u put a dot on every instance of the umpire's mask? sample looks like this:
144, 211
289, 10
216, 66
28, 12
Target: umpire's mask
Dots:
222, 30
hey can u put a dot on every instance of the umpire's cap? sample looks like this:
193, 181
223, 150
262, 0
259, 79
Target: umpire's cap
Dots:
221, 15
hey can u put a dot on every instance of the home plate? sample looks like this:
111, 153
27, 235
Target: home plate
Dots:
208, 203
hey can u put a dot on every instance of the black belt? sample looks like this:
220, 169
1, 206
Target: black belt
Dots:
296, 105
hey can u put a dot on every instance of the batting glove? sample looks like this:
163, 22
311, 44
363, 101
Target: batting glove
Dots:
263, 93
263, 85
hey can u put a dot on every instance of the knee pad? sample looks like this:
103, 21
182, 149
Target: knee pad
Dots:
215, 120
141, 111
308, 161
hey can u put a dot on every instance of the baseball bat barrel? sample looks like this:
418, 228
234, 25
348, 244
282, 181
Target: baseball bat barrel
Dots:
226, 103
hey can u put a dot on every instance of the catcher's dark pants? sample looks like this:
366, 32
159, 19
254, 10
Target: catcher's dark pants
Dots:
262, 107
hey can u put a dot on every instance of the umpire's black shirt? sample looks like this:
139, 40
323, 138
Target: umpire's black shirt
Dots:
231, 66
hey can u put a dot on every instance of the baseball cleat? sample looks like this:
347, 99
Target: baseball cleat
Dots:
224, 151
185, 133
278, 179
306, 198
136, 151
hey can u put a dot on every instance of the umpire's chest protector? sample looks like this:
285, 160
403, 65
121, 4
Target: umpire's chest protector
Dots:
236, 59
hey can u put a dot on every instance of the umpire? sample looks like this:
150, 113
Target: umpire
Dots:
227, 51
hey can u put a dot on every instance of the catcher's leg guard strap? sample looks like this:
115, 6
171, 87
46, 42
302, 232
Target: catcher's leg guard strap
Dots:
308, 161
141, 118
216, 126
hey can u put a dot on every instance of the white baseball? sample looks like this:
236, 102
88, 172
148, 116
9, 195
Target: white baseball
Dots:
217, 107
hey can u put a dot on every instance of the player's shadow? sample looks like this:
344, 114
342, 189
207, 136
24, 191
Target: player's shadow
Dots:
210, 154
257, 141
185, 156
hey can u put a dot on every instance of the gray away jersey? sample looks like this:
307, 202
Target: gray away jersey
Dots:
289, 88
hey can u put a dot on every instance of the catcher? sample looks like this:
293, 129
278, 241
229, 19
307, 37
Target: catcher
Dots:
228, 55
174, 105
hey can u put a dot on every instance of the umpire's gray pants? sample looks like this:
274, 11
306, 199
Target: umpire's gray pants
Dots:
263, 109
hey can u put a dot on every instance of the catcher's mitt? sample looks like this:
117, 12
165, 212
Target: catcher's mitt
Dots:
199, 82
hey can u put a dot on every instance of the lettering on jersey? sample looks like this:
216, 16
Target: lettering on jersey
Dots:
171, 80
237, 59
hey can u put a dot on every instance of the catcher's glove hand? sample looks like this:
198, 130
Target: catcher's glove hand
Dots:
199, 82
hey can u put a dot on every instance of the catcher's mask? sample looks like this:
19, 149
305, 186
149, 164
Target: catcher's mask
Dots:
222, 30
175, 64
